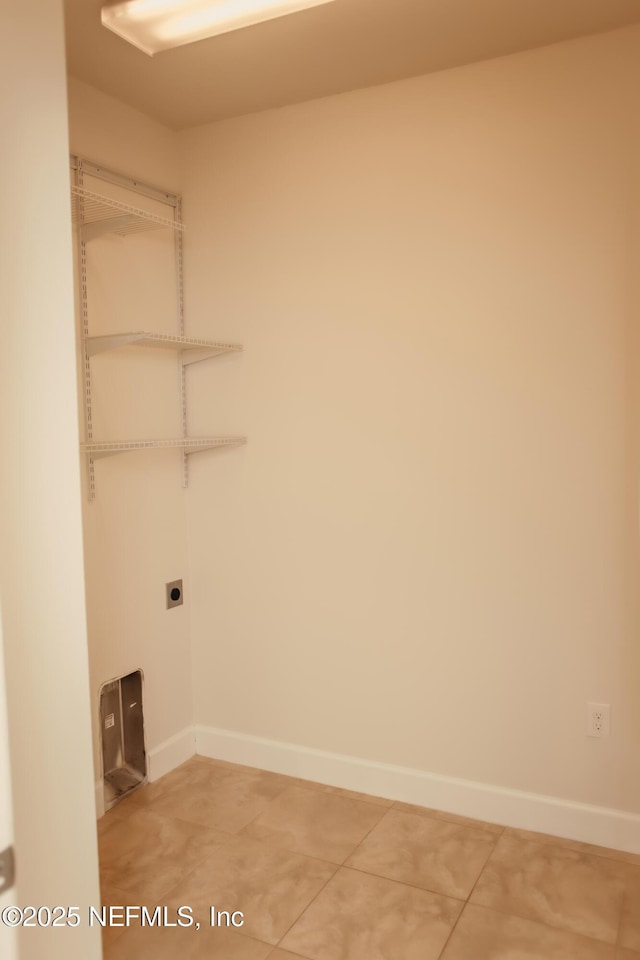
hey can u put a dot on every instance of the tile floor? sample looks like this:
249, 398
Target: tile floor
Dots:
326, 874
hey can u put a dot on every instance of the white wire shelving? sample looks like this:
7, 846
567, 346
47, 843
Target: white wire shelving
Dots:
99, 215
193, 349
188, 445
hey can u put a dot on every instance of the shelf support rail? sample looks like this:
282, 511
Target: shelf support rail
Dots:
99, 172
78, 169
179, 246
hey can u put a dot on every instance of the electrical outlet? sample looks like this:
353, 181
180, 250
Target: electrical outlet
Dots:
598, 719
174, 594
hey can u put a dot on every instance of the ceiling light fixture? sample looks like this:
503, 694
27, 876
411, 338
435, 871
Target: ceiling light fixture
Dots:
155, 25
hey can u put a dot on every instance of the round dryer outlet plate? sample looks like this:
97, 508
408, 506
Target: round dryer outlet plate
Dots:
174, 594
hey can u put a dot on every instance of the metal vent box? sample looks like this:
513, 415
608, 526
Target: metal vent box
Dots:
124, 759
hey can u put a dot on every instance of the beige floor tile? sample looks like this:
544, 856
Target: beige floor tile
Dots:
483, 934
227, 804
341, 792
110, 896
195, 771
146, 854
239, 771
309, 784
562, 888
186, 944
204, 770
317, 824
449, 817
199, 758
629, 934
271, 887
538, 898
111, 816
354, 795
224, 764
590, 848
360, 917
284, 955
193, 774
433, 854
142, 798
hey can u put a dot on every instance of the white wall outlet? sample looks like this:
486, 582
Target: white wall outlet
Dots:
598, 719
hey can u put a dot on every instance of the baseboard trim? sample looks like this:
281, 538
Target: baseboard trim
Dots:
512, 808
171, 753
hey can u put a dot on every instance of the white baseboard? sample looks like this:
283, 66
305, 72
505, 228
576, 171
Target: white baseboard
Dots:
171, 753
512, 808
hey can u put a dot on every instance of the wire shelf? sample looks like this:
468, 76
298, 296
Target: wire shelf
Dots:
98, 215
103, 215
187, 444
192, 348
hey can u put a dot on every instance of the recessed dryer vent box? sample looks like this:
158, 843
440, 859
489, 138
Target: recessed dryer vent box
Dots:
124, 759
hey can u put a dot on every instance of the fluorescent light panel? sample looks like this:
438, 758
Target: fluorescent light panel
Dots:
155, 25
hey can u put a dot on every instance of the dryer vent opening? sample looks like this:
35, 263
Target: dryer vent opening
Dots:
124, 760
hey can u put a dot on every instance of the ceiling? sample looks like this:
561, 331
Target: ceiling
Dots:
321, 51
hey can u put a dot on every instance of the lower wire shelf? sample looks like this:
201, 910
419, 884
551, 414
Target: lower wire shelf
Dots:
111, 448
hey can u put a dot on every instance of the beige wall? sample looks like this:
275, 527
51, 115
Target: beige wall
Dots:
424, 555
41, 577
135, 534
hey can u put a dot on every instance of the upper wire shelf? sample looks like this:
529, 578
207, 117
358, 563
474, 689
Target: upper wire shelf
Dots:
101, 215
109, 448
192, 349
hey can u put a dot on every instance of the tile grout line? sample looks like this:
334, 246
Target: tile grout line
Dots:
229, 837
120, 819
250, 771
293, 784
149, 809
615, 944
495, 838
339, 866
468, 899
317, 787
278, 945
366, 837
314, 785
486, 864
452, 931
233, 836
376, 876
547, 840
547, 926
384, 812
298, 852
453, 818
266, 807
403, 883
